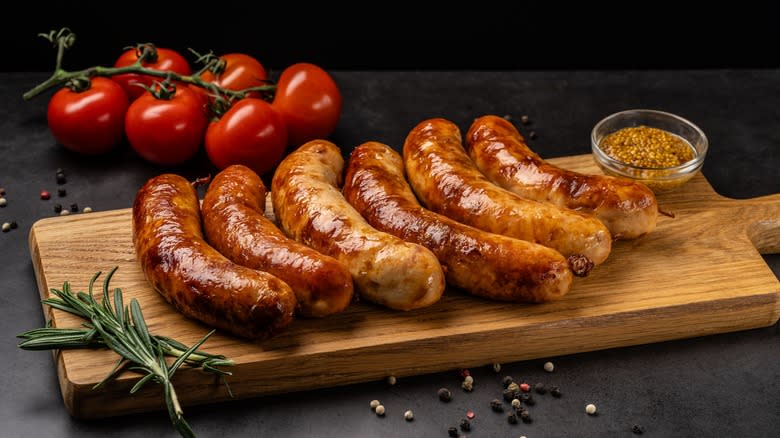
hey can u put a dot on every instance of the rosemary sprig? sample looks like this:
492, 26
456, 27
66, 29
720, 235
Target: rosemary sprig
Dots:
123, 329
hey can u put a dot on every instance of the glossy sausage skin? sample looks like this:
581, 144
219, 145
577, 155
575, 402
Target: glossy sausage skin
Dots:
484, 264
310, 207
447, 182
235, 224
194, 277
629, 209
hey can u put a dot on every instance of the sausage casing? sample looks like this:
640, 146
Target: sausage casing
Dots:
447, 182
481, 263
629, 209
234, 221
193, 276
310, 208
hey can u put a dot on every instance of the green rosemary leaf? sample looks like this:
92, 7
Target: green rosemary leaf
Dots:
120, 364
139, 323
119, 306
141, 383
176, 364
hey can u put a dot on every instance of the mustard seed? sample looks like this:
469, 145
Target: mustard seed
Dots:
644, 146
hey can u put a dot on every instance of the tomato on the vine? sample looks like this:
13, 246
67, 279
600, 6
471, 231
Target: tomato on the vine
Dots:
309, 101
166, 60
251, 133
237, 72
89, 121
166, 131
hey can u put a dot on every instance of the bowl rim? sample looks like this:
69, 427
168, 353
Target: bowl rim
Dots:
688, 166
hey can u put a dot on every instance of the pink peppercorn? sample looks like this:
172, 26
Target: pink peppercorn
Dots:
45, 195
525, 387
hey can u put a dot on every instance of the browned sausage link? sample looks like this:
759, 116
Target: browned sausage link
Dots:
447, 182
482, 263
629, 209
194, 277
234, 222
311, 208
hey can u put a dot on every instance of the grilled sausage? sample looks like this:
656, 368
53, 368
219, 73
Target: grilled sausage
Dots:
447, 182
234, 222
194, 277
484, 264
629, 209
310, 208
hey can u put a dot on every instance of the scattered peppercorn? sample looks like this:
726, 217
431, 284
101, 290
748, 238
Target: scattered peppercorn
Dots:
64, 212
590, 409
409, 415
61, 179
453, 432
549, 367
373, 404
468, 387
468, 379
14, 225
380, 410
525, 387
57, 208
513, 387
470, 415
62, 193
89, 210
6, 227
532, 135
444, 394
516, 403
527, 399
525, 416
497, 367
511, 418
496, 405
2, 191
45, 195
637, 429
464, 373
3, 202
74, 207
556, 392
465, 425
508, 380
509, 394
539, 388
525, 120
391, 380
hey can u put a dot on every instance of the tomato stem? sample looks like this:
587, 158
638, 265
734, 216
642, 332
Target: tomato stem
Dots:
64, 39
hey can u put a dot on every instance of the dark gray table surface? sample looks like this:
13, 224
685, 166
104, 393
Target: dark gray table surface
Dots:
722, 385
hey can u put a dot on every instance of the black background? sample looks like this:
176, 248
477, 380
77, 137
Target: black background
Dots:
398, 36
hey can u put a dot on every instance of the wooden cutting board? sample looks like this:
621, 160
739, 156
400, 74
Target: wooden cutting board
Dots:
699, 273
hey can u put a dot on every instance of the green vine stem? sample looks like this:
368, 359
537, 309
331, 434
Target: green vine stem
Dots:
64, 39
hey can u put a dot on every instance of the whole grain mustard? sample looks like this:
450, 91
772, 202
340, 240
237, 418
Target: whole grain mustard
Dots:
644, 146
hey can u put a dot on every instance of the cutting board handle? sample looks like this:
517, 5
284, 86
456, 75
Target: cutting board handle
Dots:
764, 223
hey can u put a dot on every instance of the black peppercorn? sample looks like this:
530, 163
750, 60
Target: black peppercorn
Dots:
532, 135
496, 405
62, 193
465, 425
444, 394
61, 179
556, 392
453, 432
509, 395
57, 208
14, 225
539, 388
527, 399
74, 207
508, 380
525, 416
511, 418
637, 429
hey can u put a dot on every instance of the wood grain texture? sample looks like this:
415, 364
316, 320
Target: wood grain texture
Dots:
699, 273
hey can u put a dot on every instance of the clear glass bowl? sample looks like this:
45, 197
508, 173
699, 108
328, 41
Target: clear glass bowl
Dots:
659, 179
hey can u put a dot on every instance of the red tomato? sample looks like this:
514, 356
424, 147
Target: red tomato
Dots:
89, 121
240, 72
167, 60
309, 101
166, 131
249, 133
